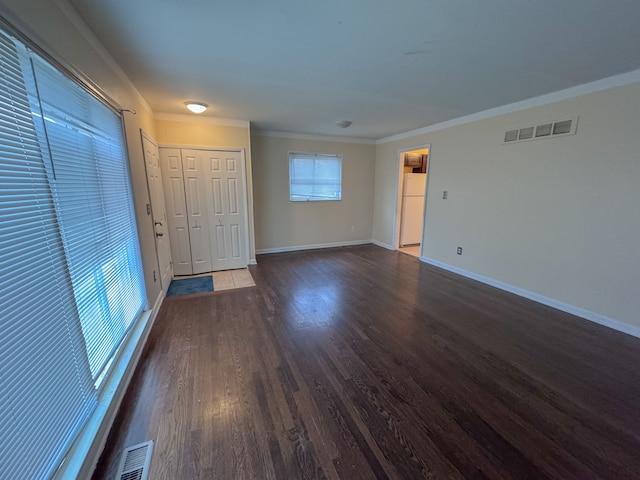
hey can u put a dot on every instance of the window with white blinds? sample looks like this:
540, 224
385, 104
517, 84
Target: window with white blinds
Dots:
314, 177
95, 210
70, 274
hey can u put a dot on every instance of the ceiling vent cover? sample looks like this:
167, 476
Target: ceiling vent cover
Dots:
543, 130
135, 462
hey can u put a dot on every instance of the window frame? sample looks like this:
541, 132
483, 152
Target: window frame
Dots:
293, 155
98, 384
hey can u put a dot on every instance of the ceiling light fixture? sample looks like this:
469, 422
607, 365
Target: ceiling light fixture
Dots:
343, 123
196, 107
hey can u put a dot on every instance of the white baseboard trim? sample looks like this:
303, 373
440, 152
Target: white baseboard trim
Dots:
253, 262
383, 245
536, 297
312, 247
85, 452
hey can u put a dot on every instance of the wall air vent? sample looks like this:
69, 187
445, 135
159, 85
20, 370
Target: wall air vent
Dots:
525, 133
511, 136
562, 127
543, 130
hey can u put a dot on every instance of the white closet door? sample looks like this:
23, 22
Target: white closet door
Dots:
176, 205
195, 190
207, 209
227, 208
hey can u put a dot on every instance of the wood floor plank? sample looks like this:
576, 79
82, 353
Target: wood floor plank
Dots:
361, 363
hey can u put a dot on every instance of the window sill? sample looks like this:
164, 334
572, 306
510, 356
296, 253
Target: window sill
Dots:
86, 450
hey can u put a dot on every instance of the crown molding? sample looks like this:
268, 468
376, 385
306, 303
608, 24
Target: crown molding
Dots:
181, 117
306, 136
592, 87
76, 20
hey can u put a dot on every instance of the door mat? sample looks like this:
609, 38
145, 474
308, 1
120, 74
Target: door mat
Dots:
190, 286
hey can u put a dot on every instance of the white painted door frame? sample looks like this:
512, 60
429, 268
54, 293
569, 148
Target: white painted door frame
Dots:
399, 186
244, 181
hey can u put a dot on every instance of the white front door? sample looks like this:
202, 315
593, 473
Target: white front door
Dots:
176, 206
227, 208
158, 210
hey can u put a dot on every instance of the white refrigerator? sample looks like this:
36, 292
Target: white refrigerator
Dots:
412, 208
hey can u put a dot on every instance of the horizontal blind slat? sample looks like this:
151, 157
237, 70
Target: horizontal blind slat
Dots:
40, 338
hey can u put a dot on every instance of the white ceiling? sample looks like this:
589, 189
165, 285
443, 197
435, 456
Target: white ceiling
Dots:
388, 66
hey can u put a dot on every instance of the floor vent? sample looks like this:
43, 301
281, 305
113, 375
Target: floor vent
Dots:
544, 130
135, 462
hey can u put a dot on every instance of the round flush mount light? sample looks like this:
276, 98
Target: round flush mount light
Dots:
196, 107
343, 123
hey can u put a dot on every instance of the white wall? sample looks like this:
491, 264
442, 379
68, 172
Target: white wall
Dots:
55, 27
559, 217
281, 224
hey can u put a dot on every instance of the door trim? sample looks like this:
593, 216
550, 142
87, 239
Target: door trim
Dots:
248, 173
399, 181
199, 147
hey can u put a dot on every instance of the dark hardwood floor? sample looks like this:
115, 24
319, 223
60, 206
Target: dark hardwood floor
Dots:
361, 363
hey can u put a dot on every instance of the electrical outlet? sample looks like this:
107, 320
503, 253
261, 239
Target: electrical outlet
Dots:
353, 228
459, 250
444, 195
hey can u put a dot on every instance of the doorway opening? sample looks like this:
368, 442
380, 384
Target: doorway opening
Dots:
413, 168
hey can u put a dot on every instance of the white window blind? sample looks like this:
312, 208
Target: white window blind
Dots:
47, 389
95, 210
314, 177
70, 275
